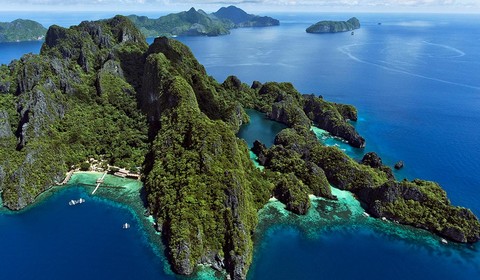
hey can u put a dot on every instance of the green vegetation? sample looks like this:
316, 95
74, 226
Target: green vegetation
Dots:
198, 23
292, 192
418, 203
240, 18
97, 90
69, 103
423, 204
201, 184
189, 23
344, 172
333, 117
328, 26
21, 30
280, 159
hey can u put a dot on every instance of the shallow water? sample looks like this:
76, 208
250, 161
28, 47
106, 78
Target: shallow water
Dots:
336, 241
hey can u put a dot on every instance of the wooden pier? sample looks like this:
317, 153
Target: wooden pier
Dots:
99, 182
67, 178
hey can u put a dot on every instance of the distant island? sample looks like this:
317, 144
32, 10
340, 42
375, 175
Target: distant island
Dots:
21, 30
199, 23
328, 26
241, 19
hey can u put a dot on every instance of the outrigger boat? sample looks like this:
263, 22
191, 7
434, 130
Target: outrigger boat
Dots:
75, 202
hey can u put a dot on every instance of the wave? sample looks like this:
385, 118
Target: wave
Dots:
346, 50
413, 23
455, 50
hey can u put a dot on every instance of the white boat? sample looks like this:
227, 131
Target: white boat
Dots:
366, 214
126, 226
444, 241
75, 202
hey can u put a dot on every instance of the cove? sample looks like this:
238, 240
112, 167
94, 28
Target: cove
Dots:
259, 128
53, 240
336, 240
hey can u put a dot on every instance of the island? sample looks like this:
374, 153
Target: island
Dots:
328, 26
21, 30
198, 23
98, 91
240, 18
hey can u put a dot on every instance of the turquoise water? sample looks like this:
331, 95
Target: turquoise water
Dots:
336, 241
414, 80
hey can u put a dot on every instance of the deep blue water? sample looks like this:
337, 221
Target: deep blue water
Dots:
354, 254
260, 128
56, 241
415, 82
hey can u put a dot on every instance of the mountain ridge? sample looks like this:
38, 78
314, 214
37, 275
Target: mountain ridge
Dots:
199, 23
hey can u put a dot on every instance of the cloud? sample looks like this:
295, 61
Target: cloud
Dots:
286, 4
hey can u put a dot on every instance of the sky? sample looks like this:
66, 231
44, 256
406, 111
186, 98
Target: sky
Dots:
456, 6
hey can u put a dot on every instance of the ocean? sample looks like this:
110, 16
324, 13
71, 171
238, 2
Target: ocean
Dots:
414, 80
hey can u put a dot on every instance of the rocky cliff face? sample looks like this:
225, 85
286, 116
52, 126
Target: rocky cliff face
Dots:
407, 203
283, 103
419, 203
5, 128
47, 94
327, 116
197, 164
373, 160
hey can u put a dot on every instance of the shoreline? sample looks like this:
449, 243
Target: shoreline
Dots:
324, 216
122, 193
346, 213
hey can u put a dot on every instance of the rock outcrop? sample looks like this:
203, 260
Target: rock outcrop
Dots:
418, 203
291, 191
399, 165
5, 128
48, 95
421, 204
197, 164
373, 160
326, 116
